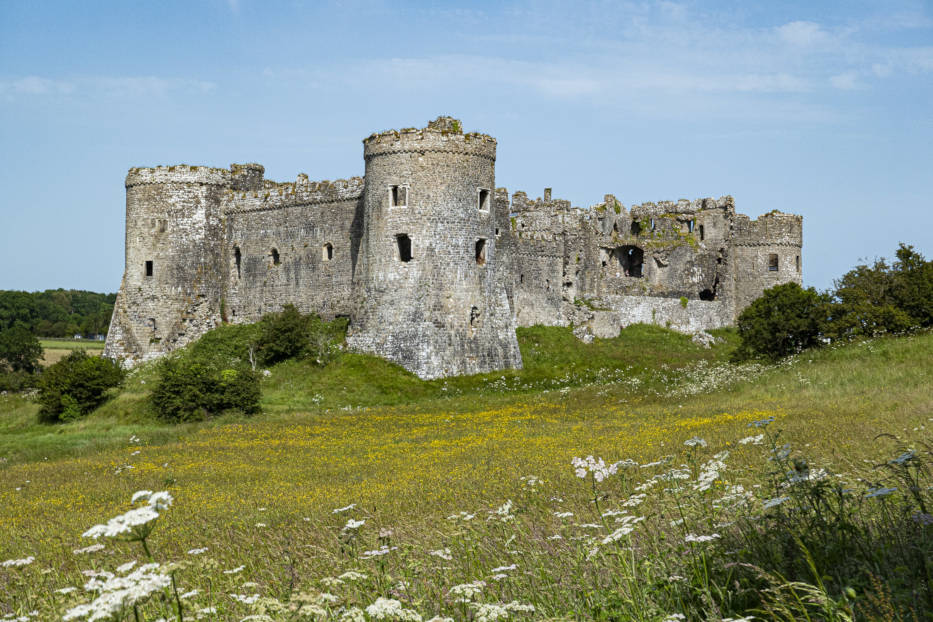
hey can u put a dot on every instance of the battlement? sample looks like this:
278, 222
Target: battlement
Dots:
178, 174
772, 229
681, 206
275, 195
521, 203
443, 135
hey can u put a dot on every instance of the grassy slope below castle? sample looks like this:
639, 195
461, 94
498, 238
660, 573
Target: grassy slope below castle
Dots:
424, 451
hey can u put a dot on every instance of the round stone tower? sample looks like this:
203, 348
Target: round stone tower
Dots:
171, 292
429, 289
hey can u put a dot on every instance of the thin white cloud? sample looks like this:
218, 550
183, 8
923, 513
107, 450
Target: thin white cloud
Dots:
101, 86
847, 81
802, 34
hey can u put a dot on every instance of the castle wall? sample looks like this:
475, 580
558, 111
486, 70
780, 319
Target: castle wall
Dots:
292, 244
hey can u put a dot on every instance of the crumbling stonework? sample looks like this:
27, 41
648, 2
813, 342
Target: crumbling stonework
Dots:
432, 263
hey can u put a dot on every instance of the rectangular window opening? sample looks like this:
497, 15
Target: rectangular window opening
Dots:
481, 252
690, 225
398, 196
798, 263
149, 268
404, 247
772, 262
702, 233
483, 199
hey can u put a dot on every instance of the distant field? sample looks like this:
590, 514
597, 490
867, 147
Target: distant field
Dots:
55, 350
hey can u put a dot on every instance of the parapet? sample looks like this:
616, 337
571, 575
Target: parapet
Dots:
178, 174
682, 206
443, 135
772, 229
247, 176
301, 192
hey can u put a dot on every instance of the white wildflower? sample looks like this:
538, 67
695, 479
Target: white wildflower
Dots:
243, 598
89, 549
770, 503
461, 516
674, 617
505, 568
190, 594
596, 466
66, 590
235, 570
10, 563
466, 592
125, 568
382, 550
754, 440
352, 575
563, 514
197, 551
634, 500
694, 538
353, 525
116, 594
442, 553
503, 512
391, 609
696, 441
344, 509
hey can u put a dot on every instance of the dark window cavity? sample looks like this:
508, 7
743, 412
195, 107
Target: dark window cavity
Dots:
149, 268
327, 253
404, 247
474, 320
690, 225
481, 251
483, 201
798, 263
398, 196
238, 258
707, 294
636, 227
653, 225
631, 258
702, 232
276, 260
772, 262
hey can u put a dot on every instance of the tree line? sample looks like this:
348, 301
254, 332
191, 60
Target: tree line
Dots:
57, 312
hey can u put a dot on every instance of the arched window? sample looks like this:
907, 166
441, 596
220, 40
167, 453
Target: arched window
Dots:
481, 251
275, 257
327, 253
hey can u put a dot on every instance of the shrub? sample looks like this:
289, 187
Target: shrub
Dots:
76, 385
190, 390
16, 381
20, 350
785, 320
289, 334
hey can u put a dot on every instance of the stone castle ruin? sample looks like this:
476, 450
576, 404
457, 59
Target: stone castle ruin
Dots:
434, 265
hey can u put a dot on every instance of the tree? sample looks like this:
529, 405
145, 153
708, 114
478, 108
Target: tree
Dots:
784, 320
20, 350
913, 285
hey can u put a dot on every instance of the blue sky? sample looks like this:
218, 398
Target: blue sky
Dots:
824, 109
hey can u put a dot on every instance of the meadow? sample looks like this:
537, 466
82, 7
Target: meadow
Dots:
54, 350
364, 493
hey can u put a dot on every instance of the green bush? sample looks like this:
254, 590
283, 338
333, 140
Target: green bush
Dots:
16, 381
785, 320
288, 334
20, 350
189, 389
75, 386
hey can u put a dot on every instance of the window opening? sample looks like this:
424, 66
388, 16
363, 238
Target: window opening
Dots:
238, 258
398, 196
798, 263
152, 323
483, 199
707, 294
631, 258
149, 268
702, 233
653, 226
636, 227
327, 253
474, 320
690, 225
481, 251
275, 257
521, 278
404, 247
497, 231
772, 262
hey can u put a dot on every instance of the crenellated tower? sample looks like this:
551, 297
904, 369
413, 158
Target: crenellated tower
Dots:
429, 288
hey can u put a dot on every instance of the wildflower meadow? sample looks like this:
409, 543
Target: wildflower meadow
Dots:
793, 491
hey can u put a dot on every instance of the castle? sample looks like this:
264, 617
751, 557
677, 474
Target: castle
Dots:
434, 265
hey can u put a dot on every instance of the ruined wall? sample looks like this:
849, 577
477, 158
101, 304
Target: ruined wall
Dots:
291, 244
767, 253
427, 297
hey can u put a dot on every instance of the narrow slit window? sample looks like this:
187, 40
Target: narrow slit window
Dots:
653, 225
483, 201
481, 252
238, 258
404, 247
276, 260
327, 253
702, 233
690, 225
798, 263
772, 262
149, 268
398, 196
